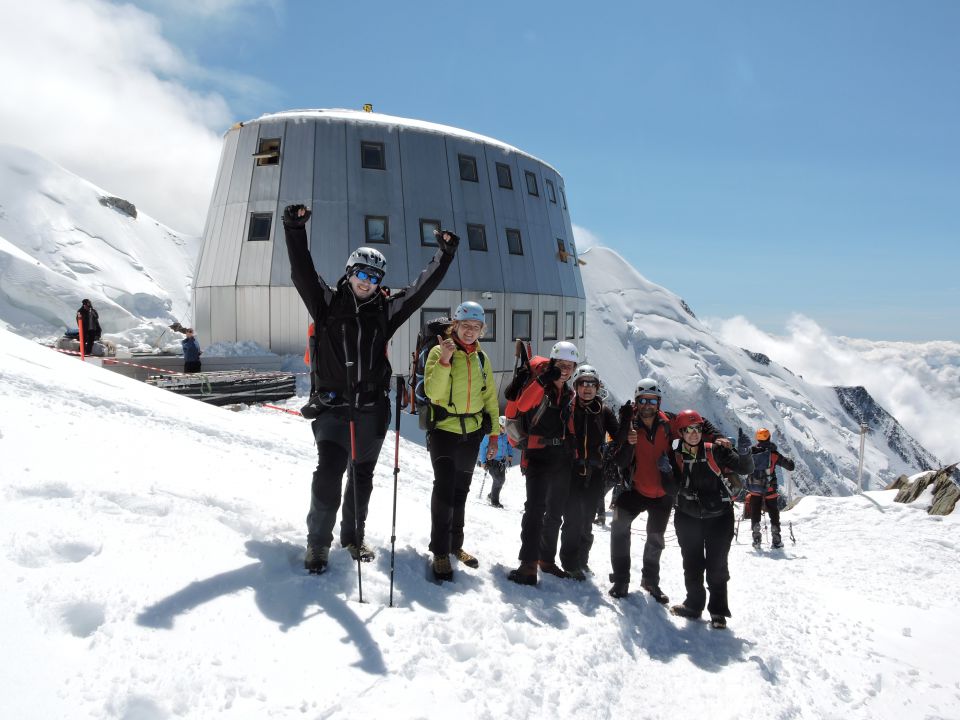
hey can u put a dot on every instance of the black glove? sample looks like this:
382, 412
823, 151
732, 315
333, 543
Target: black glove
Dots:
520, 377
292, 218
664, 466
551, 374
626, 412
743, 442
448, 246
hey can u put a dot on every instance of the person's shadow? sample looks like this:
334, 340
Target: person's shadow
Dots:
282, 592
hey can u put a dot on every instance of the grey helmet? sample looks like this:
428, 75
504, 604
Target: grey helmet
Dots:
585, 372
648, 387
367, 257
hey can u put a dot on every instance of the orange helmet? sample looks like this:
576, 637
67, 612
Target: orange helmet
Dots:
763, 434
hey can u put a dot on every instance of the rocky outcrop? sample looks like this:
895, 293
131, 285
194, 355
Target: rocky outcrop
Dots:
946, 492
120, 205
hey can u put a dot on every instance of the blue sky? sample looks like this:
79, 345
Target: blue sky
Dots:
758, 158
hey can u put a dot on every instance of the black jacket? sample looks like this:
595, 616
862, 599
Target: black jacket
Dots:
351, 330
90, 319
591, 424
703, 491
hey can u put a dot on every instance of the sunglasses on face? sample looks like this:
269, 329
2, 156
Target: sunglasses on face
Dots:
648, 401
692, 429
370, 277
587, 383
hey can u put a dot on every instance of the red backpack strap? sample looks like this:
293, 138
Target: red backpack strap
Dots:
711, 461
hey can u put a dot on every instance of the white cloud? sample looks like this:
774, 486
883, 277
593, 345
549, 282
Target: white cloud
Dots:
919, 383
96, 88
584, 238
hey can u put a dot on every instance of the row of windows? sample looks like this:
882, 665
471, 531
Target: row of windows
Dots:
521, 323
373, 157
377, 231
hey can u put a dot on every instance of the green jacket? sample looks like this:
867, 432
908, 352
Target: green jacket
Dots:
468, 383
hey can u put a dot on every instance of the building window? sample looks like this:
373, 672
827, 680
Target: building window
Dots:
561, 251
268, 151
468, 168
428, 315
477, 237
514, 242
551, 194
583, 322
504, 178
377, 229
550, 325
531, 183
260, 226
573, 252
427, 228
490, 320
521, 324
569, 326
563, 196
372, 156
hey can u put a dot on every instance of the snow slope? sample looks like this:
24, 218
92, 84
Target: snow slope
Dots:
150, 551
59, 244
637, 329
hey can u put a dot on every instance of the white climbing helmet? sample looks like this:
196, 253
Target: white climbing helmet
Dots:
469, 310
648, 387
564, 350
503, 421
367, 257
585, 372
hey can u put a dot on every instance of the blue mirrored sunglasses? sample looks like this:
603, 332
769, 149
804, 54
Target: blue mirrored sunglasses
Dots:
648, 401
372, 278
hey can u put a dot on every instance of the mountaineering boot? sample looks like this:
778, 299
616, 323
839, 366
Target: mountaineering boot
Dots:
777, 540
620, 589
684, 611
364, 553
655, 592
553, 569
441, 568
755, 529
576, 574
466, 558
316, 559
718, 622
526, 574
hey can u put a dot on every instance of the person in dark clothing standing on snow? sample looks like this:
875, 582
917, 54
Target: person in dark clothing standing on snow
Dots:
589, 424
544, 403
704, 517
89, 320
458, 380
646, 436
495, 462
191, 352
762, 487
354, 322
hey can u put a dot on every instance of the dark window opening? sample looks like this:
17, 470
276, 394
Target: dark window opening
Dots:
531, 183
490, 320
563, 196
514, 242
377, 229
521, 324
268, 151
372, 156
569, 326
427, 227
551, 194
477, 237
550, 325
468, 168
562, 254
583, 321
504, 178
260, 226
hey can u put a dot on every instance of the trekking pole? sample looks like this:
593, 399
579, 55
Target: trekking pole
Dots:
396, 473
483, 482
352, 473
790, 527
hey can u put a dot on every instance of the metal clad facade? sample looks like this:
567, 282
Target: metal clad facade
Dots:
518, 270
329, 226
296, 188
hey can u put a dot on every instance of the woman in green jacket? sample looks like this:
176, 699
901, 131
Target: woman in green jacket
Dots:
458, 380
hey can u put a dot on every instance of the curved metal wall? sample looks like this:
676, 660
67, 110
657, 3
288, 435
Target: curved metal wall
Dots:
243, 290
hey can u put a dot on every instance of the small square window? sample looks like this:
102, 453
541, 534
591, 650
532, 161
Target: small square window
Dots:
468, 168
550, 325
477, 237
583, 322
268, 151
521, 324
531, 183
504, 178
563, 196
427, 227
372, 156
428, 315
551, 194
260, 226
377, 229
561, 251
569, 326
490, 320
514, 242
